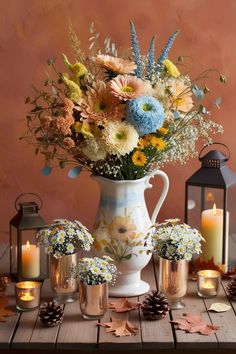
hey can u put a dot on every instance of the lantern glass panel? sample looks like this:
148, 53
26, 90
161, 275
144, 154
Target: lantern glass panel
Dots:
231, 207
13, 250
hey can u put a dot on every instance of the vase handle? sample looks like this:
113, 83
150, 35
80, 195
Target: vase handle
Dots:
163, 193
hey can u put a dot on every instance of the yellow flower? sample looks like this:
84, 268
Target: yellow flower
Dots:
74, 90
139, 158
83, 128
163, 131
78, 69
142, 143
171, 68
157, 143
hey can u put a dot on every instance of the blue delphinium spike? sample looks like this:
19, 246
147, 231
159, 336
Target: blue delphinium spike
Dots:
151, 56
165, 52
136, 51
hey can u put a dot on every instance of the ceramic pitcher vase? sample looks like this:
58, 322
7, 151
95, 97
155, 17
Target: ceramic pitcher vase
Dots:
121, 229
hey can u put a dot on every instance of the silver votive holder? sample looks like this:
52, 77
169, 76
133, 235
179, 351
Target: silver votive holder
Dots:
27, 295
208, 282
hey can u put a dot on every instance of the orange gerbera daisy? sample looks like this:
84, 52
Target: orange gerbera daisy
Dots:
127, 87
116, 65
182, 97
99, 105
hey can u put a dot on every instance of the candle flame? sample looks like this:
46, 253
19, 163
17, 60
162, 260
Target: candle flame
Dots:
27, 245
214, 209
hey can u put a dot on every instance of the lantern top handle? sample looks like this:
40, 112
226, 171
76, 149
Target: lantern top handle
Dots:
215, 143
22, 195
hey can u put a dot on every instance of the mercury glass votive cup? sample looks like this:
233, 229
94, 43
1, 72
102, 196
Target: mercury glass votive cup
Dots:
27, 295
208, 282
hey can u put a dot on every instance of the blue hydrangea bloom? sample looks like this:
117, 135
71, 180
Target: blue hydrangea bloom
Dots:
145, 113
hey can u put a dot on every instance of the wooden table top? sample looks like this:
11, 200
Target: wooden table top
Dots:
25, 331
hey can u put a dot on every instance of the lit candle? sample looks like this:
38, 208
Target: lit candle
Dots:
212, 231
208, 283
30, 261
27, 295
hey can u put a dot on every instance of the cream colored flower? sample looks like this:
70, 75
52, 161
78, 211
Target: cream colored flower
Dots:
127, 87
120, 138
116, 65
122, 228
94, 149
159, 92
99, 105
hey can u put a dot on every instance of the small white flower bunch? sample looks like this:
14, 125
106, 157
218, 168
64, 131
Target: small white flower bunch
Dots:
95, 271
175, 241
64, 237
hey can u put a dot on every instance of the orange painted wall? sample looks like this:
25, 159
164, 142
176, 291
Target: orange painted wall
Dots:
33, 30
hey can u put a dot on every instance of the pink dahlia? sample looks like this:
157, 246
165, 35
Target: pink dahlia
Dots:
99, 105
127, 87
116, 65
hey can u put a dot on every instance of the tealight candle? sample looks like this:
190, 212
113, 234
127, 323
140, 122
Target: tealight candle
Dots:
27, 295
208, 283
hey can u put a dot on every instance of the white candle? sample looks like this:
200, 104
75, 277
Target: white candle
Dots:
208, 283
208, 289
30, 261
212, 231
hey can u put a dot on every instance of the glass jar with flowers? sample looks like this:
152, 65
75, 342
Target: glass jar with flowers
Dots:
175, 244
63, 240
94, 275
123, 118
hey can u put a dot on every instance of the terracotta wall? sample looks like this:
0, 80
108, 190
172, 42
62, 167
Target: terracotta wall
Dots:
33, 30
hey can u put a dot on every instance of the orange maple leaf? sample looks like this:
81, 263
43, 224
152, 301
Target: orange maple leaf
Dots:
194, 324
124, 305
119, 328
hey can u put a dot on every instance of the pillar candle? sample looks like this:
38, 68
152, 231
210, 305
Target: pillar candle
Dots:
30, 261
212, 231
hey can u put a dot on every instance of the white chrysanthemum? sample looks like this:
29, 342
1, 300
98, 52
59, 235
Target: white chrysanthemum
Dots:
94, 149
120, 138
70, 248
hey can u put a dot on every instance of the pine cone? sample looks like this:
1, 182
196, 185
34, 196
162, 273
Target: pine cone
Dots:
231, 288
155, 306
51, 313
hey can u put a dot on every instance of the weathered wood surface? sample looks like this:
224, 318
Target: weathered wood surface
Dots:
24, 331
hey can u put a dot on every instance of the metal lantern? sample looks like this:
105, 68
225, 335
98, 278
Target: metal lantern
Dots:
27, 260
210, 206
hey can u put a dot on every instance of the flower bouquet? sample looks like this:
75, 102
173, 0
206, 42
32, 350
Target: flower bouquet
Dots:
175, 244
174, 241
64, 237
63, 240
120, 117
94, 276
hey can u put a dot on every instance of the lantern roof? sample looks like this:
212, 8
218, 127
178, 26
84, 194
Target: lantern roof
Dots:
214, 171
28, 217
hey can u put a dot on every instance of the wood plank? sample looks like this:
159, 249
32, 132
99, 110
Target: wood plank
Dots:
155, 334
226, 320
7, 328
108, 341
76, 332
44, 337
194, 305
233, 302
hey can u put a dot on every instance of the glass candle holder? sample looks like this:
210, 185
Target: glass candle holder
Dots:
27, 295
208, 282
